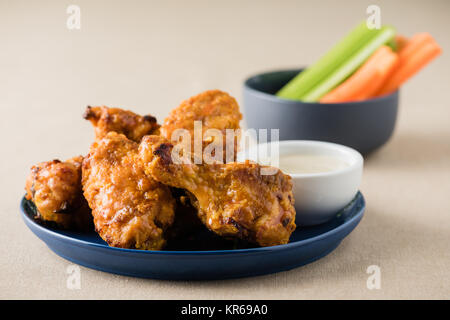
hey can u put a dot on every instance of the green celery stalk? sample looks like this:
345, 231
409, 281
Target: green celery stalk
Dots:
306, 80
351, 65
392, 44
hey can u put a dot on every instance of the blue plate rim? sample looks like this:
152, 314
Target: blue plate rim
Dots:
28, 221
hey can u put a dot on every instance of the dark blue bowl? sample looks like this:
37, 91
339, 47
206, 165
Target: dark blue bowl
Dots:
364, 125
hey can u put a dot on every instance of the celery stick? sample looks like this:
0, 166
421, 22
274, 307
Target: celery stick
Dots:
351, 65
310, 77
392, 44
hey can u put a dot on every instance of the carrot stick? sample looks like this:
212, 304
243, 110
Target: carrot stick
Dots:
415, 43
401, 42
355, 83
383, 71
412, 59
367, 80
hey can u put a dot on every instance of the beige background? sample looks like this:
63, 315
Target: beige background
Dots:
148, 57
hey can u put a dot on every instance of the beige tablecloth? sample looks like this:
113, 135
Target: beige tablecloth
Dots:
150, 56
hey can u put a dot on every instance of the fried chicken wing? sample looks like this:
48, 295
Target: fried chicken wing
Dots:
130, 209
214, 108
133, 126
232, 199
55, 189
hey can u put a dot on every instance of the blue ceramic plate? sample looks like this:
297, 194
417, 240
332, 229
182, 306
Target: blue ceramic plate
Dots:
195, 263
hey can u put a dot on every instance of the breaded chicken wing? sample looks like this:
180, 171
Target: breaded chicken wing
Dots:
232, 199
214, 108
133, 126
130, 209
55, 189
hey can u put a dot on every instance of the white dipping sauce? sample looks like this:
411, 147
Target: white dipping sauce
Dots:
310, 163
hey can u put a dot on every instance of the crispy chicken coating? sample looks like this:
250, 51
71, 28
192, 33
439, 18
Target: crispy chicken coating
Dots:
232, 199
130, 209
133, 126
214, 108
55, 189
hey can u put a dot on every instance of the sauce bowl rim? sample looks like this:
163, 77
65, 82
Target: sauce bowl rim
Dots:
357, 160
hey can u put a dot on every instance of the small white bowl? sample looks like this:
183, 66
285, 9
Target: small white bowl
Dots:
318, 196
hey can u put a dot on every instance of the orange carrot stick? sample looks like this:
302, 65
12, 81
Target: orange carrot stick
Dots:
383, 71
412, 59
366, 80
415, 43
401, 41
